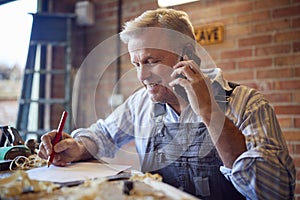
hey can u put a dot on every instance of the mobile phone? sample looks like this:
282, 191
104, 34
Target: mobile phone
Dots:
192, 56
180, 90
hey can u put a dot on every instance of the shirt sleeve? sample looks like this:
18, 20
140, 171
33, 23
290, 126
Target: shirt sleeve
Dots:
109, 134
265, 170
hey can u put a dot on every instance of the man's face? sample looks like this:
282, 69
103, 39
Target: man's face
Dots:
154, 67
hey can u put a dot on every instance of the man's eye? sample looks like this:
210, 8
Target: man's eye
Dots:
153, 61
148, 63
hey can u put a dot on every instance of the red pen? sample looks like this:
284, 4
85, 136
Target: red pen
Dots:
58, 136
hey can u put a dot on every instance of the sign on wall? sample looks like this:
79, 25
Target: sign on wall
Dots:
210, 34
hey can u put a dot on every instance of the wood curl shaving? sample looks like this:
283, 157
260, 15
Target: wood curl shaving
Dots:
19, 183
22, 162
141, 177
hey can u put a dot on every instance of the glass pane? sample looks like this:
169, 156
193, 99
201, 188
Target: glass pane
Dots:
15, 25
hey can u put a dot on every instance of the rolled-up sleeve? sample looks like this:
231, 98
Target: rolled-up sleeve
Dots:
109, 134
259, 174
265, 170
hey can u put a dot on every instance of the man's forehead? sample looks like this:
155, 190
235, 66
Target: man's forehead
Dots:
149, 52
156, 38
150, 41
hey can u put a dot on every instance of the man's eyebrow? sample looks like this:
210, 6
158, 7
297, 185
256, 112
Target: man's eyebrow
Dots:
147, 58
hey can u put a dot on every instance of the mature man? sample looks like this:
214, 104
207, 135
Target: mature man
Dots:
203, 134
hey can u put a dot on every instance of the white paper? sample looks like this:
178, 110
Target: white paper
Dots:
75, 172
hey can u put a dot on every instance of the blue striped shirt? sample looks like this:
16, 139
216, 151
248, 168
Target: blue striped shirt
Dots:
264, 171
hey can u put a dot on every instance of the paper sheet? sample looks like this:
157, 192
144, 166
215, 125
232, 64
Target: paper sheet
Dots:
75, 172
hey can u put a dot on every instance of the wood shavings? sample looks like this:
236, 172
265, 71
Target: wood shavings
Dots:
19, 183
19, 186
22, 162
106, 190
141, 177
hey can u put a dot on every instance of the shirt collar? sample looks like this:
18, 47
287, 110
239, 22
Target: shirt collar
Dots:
216, 77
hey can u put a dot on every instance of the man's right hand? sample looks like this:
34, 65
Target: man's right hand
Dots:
66, 151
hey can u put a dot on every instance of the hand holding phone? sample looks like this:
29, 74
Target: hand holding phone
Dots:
192, 56
180, 90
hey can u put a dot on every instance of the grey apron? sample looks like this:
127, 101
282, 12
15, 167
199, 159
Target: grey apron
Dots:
184, 155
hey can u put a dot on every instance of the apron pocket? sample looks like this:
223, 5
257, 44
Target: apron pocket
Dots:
202, 186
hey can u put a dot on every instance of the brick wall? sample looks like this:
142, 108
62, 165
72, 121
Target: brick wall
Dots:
261, 49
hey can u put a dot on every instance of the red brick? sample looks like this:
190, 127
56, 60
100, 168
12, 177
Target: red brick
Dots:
291, 147
226, 20
297, 72
292, 135
259, 4
296, 23
287, 109
234, 31
251, 84
227, 44
285, 122
274, 73
255, 63
296, 161
256, 40
297, 122
239, 75
287, 12
296, 96
287, 36
108, 5
287, 60
226, 65
298, 173
260, 85
287, 85
297, 189
234, 8
271, 50
217, 2
214, 55
254, 16
212, 12
147, 5
236, 54
272, 25
278, 97
296, 47
106, 14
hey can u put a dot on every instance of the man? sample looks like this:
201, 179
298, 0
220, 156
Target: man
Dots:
209, 137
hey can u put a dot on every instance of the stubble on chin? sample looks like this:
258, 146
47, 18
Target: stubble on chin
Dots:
163, 96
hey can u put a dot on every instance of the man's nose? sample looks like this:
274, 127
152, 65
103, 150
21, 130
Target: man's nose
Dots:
144, 72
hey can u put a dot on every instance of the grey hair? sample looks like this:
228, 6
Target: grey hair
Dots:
162, 17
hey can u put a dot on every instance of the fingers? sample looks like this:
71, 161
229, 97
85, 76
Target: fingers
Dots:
42, 152
64, 152
45, 148
179, 81
186, 68
64, 145
183, 73
59, 161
